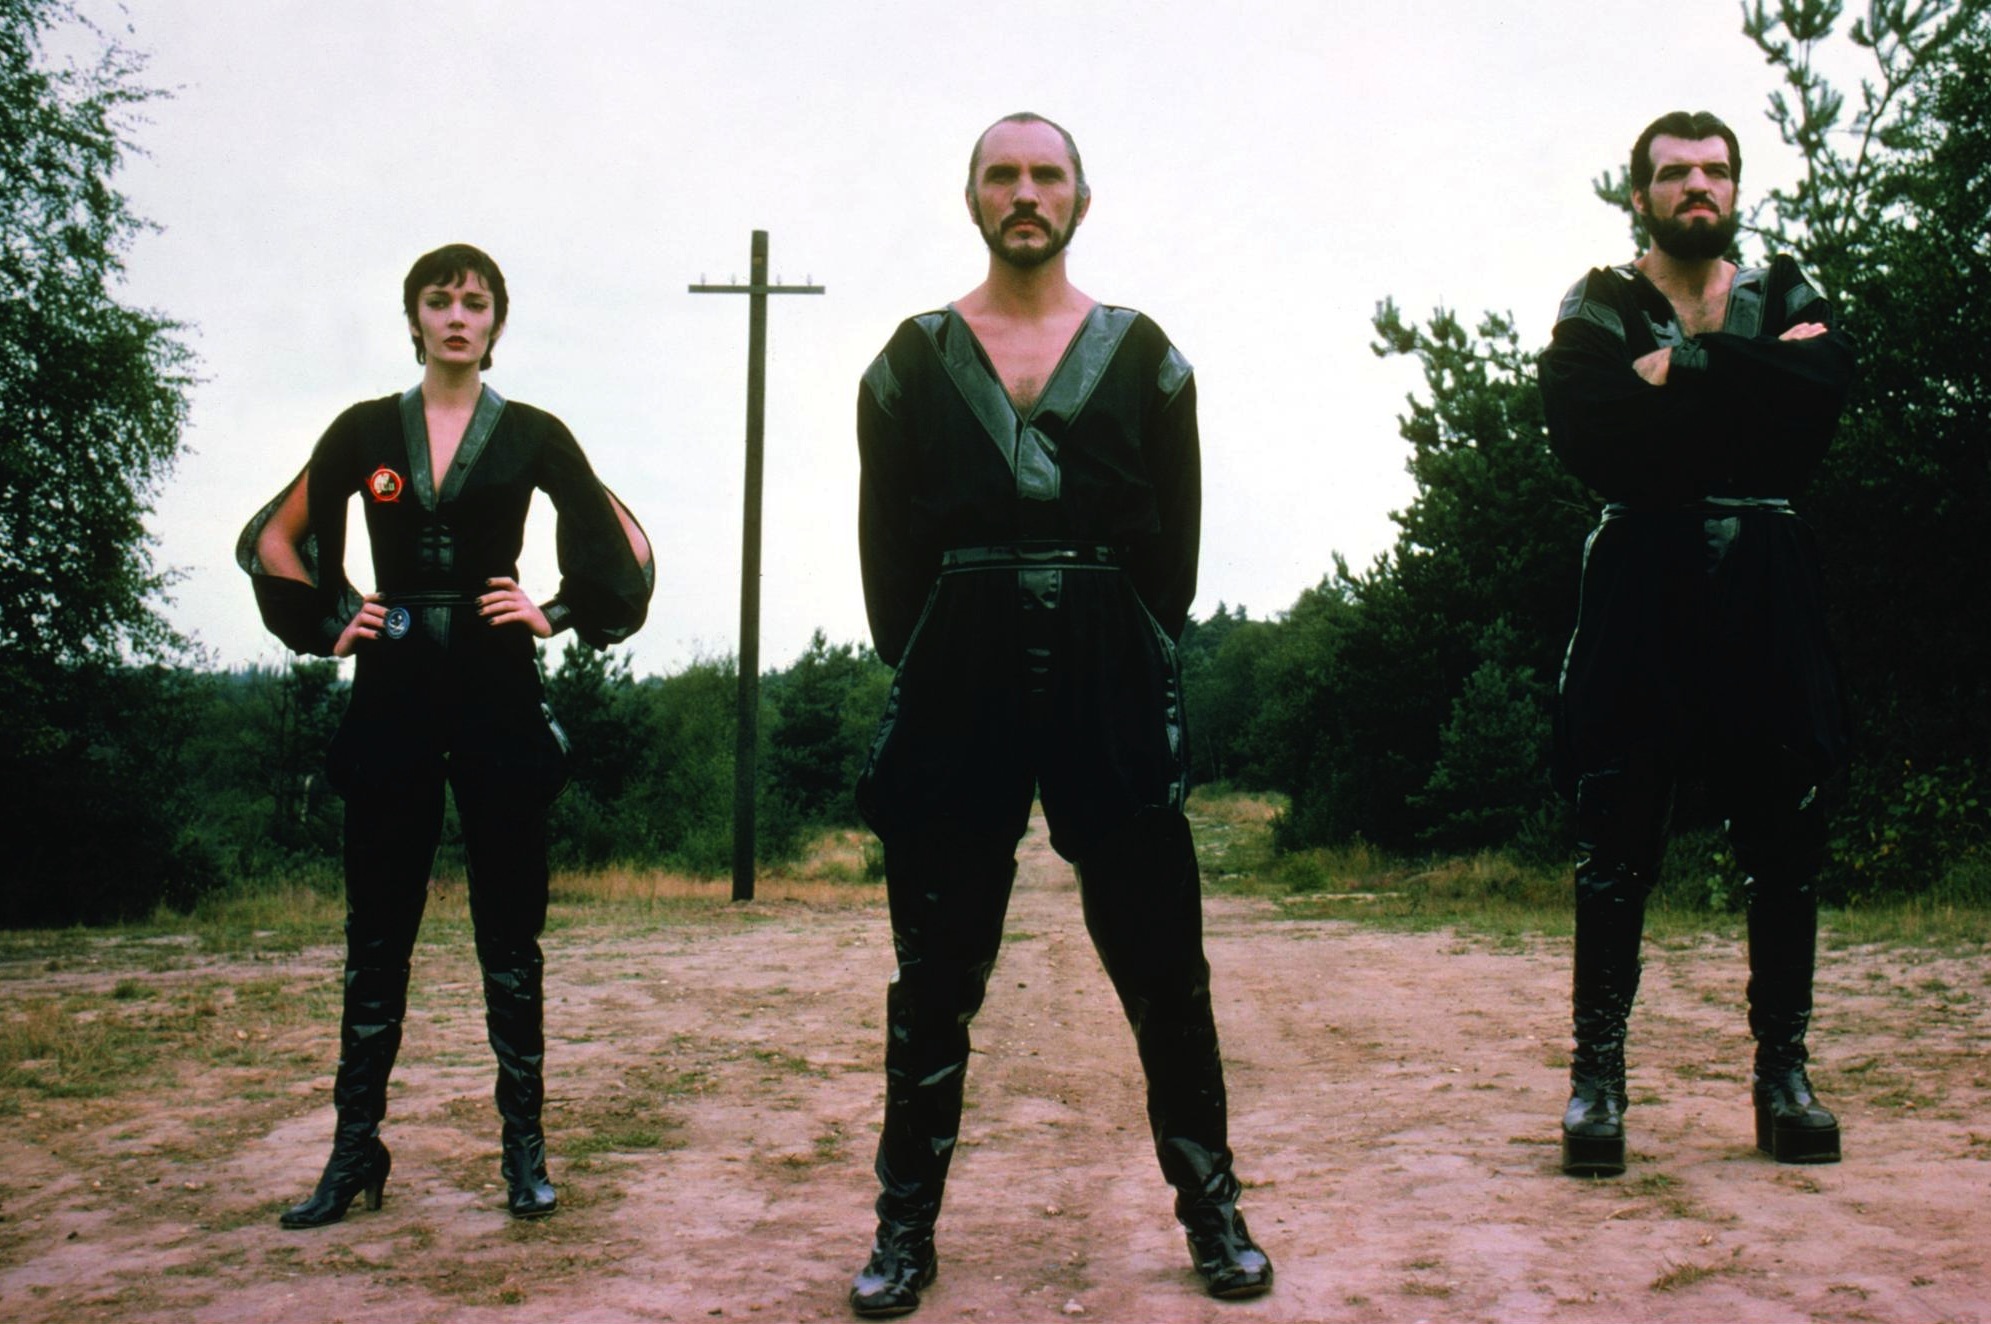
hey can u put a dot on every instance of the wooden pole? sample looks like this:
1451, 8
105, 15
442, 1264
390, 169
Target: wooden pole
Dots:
746, 747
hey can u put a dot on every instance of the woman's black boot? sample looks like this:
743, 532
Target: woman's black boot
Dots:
512, 1015
369, 1037
358, 1167
1791, 1125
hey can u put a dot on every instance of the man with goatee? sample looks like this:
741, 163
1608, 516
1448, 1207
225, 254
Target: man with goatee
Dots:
1028, 523
1696, 397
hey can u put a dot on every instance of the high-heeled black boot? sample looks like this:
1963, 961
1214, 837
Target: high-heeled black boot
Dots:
358, 1167
513, 1016
369, 1037
1791, 1125
1610, 918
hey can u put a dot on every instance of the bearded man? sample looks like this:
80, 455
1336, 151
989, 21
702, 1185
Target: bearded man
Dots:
1028, 522
1696, 397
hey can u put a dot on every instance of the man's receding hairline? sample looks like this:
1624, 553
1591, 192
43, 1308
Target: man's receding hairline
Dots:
1072, 159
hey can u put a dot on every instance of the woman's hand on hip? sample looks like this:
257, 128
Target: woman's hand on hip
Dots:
365, 624
507, 604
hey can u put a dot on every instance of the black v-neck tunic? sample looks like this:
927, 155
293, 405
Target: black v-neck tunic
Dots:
1058, 674
436, 541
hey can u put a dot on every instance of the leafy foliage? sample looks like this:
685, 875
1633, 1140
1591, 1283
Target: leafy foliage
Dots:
1892, 214
1406, 705
93, 395
653, 759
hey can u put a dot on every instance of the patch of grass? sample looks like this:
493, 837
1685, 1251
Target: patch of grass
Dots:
1233, 834
1439, 1290
1678, 1276
788, 1063
63, 1048
614, 1139
1950, 928
1664, 1191
629, 1119
1705, 1070
1504, 897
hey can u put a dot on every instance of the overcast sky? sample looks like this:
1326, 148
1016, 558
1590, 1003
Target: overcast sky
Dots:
1263, 173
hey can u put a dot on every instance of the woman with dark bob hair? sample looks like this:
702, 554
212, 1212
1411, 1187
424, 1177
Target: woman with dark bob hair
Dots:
446, 690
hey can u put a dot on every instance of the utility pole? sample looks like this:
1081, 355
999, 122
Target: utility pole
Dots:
747, 740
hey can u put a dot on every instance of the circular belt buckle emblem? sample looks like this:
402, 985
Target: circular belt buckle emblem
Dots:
398, 622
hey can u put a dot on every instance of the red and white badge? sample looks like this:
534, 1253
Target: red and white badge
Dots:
384, 485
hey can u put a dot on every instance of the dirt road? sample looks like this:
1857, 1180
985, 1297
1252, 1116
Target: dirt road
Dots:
715, 1097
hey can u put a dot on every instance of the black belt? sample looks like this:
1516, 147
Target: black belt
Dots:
401, 609
1713, 507
1029, 556
434, 597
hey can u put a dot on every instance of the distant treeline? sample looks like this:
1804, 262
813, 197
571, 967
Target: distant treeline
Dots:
1410, 703
1407, 704
167, 783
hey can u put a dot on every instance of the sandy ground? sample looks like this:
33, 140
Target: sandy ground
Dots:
715, 1095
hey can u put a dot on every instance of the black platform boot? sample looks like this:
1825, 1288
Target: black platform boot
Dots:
369, 1037
1791, 1125
513, 1016
1610, 917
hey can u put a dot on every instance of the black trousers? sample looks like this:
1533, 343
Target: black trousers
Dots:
949, 889
1777, 818
1772, 802
421, 720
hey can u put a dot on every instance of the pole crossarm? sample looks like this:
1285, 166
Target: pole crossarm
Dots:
755, 289
747, 740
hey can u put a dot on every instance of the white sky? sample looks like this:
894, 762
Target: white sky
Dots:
1263, 173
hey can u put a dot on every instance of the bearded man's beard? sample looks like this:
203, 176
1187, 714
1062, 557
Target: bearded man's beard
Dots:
1693, 239
1028, 257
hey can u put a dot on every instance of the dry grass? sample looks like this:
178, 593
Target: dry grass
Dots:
837, 868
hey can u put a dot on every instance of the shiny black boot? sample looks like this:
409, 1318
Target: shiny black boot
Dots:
1791, 1125
1593, 1123
513, 1017
369, 1038
902, 1263
915, 1148
1143, 906
948, 893
358, 1167
1610, 917
1220, 1246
